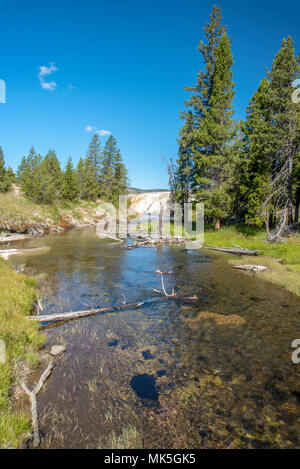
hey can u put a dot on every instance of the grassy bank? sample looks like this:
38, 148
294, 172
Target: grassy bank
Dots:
16, 207
285, 272
22, 340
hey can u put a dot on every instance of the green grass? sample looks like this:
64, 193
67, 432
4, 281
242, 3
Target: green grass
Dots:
285, 273
251, 238
22, 340
16, 207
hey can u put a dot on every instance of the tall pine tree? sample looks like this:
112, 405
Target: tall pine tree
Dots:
213, 155
94, 153
184, 170
5, 180
272, 145
113, 174
69, 186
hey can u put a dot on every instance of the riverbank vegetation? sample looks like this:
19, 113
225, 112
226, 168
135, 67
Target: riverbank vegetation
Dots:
282, 259
101, 174
16, 207
22, 341
248, 170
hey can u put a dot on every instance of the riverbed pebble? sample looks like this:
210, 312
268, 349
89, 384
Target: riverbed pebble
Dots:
57, 350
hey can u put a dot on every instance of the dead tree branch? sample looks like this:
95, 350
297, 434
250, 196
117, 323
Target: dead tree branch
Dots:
32, 397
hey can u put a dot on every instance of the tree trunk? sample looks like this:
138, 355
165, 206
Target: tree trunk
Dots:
160, 221
218, 223
297, 205
290, 191
268, 224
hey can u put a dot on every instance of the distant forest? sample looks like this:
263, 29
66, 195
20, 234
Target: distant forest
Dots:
101, 174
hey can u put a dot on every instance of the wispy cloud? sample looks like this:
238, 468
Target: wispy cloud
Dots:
89, 128
71, 87
45, 71
48, 85
103, 132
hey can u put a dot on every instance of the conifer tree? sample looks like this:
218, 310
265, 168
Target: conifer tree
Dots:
35, 180
257, 148
271, 145
53, 173
90, 179
206, 160
69, 186
11, 175
285, 115
201, 92
5, 180
107, 170
213, 158
120, 177
80, 179
184, 171
94, 152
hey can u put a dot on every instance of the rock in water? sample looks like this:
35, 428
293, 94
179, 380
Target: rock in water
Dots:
57, 350
144, 387
147, 354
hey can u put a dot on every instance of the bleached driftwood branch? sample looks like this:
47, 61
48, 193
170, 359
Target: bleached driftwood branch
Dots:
123, 306
173, 295
32, 397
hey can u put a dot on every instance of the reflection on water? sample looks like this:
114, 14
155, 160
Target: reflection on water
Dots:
212, 375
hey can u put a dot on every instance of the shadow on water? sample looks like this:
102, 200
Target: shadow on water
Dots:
212, 375
145, 388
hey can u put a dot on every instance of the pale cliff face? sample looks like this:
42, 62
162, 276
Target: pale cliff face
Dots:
149, 202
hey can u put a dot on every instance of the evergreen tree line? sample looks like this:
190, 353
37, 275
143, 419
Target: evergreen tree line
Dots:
247, 170
7, 176
101, 174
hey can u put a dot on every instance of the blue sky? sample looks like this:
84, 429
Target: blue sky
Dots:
121, 67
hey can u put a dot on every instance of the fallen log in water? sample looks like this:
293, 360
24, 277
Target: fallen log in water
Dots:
253, 268
91, 312
236, 251
6, 253
80, 314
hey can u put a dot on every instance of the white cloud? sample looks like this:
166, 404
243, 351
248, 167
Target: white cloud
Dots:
48, 85
89, 128
47, 70
103, 132
44, 71
71, 87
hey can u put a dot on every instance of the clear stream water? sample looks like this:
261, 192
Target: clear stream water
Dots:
165, 376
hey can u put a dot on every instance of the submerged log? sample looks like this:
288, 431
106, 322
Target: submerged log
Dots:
91, 312
6, 253
80, 314
253, 268
237, 251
